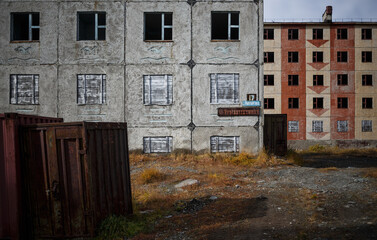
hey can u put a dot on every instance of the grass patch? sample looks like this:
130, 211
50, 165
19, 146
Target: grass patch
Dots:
294, 158
151, 175
328, 169
317, 148
371, 173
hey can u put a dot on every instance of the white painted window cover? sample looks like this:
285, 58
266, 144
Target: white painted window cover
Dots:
317, 126
157, 144
24, 89
224, 88
366, 126
293, 126
91, 89
158, 89
342, 126
224, 144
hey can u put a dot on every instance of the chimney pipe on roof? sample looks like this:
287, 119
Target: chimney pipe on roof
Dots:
327, 15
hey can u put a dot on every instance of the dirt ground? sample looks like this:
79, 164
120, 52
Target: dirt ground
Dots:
327, 197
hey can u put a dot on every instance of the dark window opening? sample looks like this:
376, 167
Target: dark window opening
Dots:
91, 26
317, 33
366, 126
342, 33
317, 56
292, 34
225, 26
24, 26
317, 126
367, 103
342, 126
268, 34
317, 103
293, 57
293, 103
293, 80
342, 102
366, 34
367, 80
269, 80
158, 26
317, 80
342, 56
366, 56
268, 57
269, 103
342, 79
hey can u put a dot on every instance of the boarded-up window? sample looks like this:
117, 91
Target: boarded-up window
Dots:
157, 144
224, 88
293, 126
317, 126
225, 144
24, 89
158, 89
366, 125
342, 126
91, 89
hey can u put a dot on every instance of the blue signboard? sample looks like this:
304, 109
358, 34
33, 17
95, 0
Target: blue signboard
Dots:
250, 103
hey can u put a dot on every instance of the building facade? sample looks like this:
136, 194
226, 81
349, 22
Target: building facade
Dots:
164, 67
323, 76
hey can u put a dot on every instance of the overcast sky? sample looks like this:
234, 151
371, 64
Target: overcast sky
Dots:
278, 9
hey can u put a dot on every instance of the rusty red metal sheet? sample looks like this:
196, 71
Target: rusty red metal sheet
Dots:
249, 111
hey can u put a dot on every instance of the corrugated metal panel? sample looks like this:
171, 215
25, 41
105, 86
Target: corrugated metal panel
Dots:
10, 172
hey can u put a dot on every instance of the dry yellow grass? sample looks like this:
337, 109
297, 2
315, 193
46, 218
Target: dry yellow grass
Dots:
151, 175
372, 173
329, 169
317, 148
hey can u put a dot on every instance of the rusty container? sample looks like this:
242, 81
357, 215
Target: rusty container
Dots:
10, 172
77, 175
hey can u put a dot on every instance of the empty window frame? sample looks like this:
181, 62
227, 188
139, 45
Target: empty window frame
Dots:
24, 27
293, 126
342, 33
342, 126
158, 26
367, 80
366, 34
269, 103
24, 89
317, 57
317, 126
224, 88
293, 80
292, 34
91, 26
269, 80
158, 89
293, 103
293, 57
317, 33
366, 56
342, 56
268, 34
366, 126
269, 57
223, 144
367, 103
342, 102
317, 80
317, 103
157, 144
225, 26
91, 89
342, 79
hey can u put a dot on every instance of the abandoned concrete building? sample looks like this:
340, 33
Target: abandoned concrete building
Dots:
323, 76
176, 71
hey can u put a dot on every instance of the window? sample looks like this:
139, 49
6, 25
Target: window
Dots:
268, 34
317, 126
317, 80
366, 126
91, 26
158, 89
317, 56
268, 57
366, 56
293, 126
342, 33
342, 126
292, 34
366, 34
317, 34
293, 103
225, 26
225, 144
269, 80
91, 88
292, 80
342, 56
224, 88
367, 103
292, 57
269, 103
24, 89
317, 103
158, 26
157, 144
342, 79
24, 27
342, 102
367, 80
